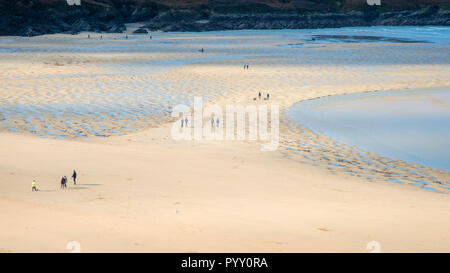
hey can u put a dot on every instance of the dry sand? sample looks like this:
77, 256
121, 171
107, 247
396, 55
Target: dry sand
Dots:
144, 192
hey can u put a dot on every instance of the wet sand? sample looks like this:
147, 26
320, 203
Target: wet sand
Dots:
139, 190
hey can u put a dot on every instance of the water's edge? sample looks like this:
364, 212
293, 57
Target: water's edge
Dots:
321, 123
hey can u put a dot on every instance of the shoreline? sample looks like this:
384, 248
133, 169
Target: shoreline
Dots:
150, 200
362, 161
341, 97
340, 157
146, 192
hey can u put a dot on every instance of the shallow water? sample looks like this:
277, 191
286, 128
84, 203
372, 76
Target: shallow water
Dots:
413, 126
120, 94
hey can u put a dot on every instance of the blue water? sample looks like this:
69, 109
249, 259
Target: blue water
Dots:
117, 105
413, 126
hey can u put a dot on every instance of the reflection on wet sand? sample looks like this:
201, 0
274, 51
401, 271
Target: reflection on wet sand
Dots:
64, 86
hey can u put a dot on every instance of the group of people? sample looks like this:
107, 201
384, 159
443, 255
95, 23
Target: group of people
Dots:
63, 182
217, 122
184, 122
260, 96
126, 37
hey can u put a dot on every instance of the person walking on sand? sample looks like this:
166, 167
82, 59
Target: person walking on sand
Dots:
259, 95
74, 176
217, 122
212, 121
62, 182
186, 121
33, 186
65, 181
268, 96
182, 122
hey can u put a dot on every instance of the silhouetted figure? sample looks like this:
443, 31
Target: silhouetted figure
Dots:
74, 176
268, 96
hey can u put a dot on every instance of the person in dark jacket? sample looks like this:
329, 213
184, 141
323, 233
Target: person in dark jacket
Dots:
74, 176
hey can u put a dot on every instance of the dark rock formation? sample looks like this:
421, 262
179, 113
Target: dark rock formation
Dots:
140, 31
172, 22
36, 17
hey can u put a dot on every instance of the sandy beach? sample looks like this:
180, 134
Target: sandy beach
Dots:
101, 106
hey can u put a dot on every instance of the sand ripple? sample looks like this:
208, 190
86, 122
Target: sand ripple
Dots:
64, 86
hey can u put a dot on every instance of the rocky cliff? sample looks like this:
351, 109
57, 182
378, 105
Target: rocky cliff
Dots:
35, 17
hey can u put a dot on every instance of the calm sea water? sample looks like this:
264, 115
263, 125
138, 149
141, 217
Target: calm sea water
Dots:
413, 126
